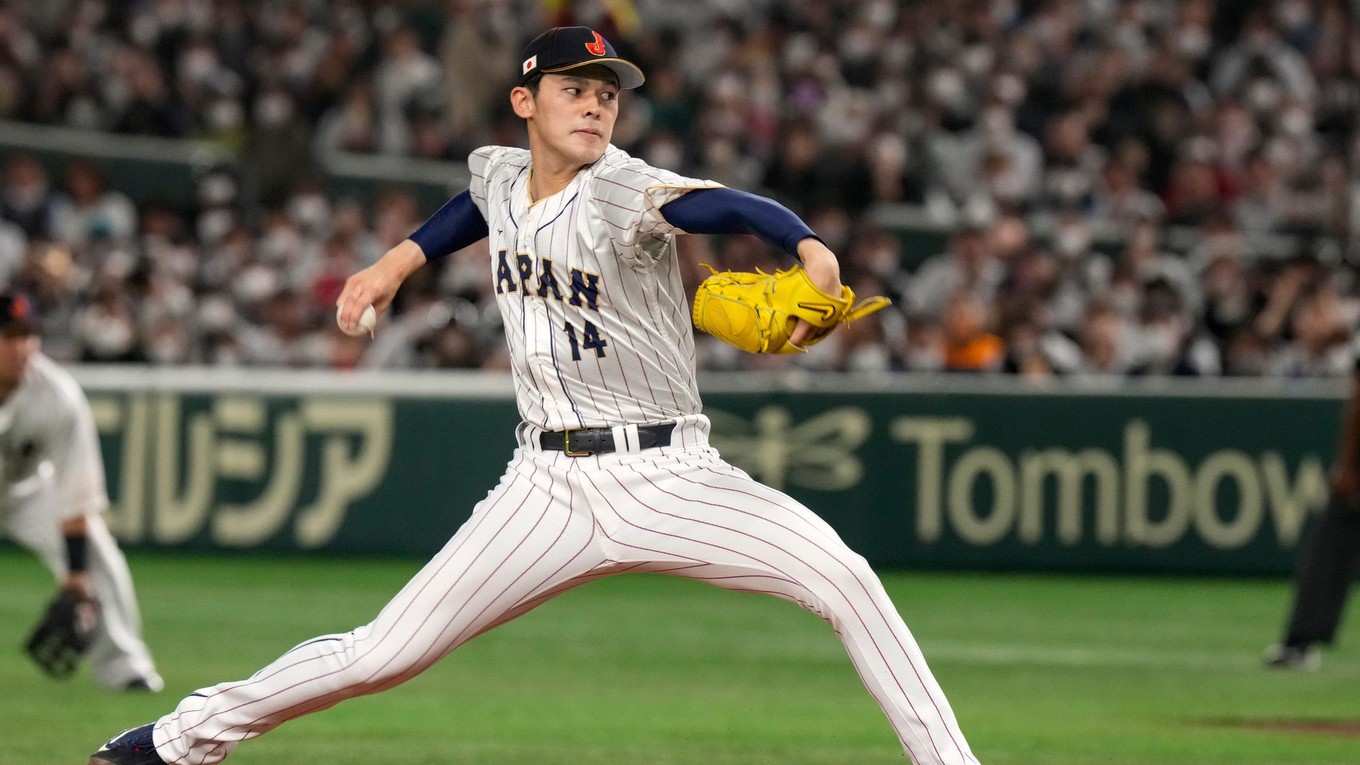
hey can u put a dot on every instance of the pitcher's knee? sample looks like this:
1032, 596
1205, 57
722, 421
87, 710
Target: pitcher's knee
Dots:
835, 586
854, 571
368, 660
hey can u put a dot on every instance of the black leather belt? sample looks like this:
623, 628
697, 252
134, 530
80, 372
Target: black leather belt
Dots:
580, 443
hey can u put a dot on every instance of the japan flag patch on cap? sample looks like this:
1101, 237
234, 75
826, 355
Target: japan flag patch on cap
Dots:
529, 64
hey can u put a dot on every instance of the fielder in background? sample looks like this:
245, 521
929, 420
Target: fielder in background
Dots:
613, 472
54, 495
1327, 564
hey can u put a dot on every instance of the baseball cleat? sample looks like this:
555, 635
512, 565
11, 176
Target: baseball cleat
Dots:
131, 747
149, 684
1282, 656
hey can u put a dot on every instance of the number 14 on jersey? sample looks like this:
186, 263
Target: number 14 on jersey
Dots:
590, 340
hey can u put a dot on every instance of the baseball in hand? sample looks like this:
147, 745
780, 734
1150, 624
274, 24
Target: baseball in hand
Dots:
367, 320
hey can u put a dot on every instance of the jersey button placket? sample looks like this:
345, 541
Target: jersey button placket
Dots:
539, 337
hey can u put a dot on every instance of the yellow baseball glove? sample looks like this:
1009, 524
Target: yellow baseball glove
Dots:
757, 311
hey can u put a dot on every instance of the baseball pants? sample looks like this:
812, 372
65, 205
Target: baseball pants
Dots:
117, 655
556, 522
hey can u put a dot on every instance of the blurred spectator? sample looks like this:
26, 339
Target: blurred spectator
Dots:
805, 174
287, 336
1261, 69
107, 328
1025, 355
1165, 337
925, 347
968, 345
27, 200
452, 347
281, 145
324, 277
1145, 262
1319, 342
13, 246
1072, 162
968, 265
1119, 198
1149, 187
1283, 290
672, 105
1195, 192
89, 211
480, 39
151, 107
878, 253
1247, 354
405, 79
350, 125
1104, 341
1263, 202
1228, 297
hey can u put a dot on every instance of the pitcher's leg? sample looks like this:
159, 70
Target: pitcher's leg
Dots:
880, 645
757, 539
520, 541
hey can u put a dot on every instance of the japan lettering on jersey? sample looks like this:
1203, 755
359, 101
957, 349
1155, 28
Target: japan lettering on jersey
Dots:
589, 288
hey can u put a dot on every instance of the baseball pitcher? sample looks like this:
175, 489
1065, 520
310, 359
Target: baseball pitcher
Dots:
613, 472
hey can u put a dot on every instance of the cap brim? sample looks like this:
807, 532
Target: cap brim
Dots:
630, 76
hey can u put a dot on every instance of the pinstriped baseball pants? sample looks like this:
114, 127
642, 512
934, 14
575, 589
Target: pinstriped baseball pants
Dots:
556, 522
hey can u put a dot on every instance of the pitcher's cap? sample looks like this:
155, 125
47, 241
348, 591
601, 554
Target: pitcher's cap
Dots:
561, 49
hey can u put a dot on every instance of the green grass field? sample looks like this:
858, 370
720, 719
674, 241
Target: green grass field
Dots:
1041, 671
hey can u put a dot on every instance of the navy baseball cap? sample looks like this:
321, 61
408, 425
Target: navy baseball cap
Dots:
17, 316
562, 49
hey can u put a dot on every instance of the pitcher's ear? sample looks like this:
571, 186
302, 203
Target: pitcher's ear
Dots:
522, 101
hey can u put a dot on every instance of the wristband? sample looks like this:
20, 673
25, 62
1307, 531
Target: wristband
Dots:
75, 553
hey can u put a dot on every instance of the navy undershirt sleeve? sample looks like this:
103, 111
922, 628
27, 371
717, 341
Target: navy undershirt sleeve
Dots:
729, 211
456, 225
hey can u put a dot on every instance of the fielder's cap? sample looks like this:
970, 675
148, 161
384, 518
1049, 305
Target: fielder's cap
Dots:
17, 316
561, 49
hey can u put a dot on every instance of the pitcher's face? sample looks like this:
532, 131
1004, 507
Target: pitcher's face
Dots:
572, 116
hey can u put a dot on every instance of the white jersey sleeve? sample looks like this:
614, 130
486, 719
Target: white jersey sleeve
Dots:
484, 166
632, 193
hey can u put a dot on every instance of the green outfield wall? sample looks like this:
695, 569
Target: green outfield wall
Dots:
1211, 478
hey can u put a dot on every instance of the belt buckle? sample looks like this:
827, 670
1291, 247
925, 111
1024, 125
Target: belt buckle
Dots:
566, 446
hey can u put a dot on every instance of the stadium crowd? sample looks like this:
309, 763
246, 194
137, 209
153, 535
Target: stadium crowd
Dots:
1029, 130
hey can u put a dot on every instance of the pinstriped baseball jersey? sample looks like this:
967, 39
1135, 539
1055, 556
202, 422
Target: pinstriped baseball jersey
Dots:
588, 286
46, 429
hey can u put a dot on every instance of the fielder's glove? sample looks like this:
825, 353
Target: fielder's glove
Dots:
757, 311
64, 633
